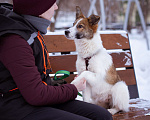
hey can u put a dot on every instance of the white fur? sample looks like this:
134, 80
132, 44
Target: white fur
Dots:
98, 91
73, 30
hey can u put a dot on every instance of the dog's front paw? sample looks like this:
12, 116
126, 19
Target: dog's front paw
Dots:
74, 81
85, 73
77, 79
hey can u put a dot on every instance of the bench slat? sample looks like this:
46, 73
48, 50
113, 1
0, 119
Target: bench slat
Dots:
115, 41
122, 59
59, 43
67, 62
125, 75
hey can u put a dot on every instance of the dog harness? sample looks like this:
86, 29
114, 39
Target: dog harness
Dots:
88, 58
87, 62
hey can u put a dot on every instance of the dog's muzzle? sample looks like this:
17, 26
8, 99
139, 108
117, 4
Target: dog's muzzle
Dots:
67, 33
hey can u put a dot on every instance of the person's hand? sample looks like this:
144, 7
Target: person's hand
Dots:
80, 84
76, 76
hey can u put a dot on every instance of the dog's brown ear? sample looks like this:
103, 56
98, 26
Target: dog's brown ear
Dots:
79, 13
93, 19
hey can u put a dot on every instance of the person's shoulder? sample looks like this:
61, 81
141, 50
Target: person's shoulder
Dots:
9, 36
12, 40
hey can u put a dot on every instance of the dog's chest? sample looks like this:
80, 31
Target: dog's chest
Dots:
94, 64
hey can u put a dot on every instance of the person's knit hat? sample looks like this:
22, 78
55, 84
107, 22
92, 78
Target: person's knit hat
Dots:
32, 7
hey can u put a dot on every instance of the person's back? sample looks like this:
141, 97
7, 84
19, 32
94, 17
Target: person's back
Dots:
25, 86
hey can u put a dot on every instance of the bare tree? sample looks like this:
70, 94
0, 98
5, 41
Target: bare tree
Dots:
145, 4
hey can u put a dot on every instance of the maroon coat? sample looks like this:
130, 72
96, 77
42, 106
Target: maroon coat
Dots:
21, 66
17, 57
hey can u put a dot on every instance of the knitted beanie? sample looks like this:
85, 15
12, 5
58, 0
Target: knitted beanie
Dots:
32, 7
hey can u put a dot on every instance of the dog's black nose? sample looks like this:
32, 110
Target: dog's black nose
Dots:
67, 32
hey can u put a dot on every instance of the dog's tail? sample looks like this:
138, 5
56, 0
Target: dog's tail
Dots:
120, 96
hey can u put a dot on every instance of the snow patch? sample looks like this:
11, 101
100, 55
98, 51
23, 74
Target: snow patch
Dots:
124, 35
147, 114
141, 60
118, 44
121, 32
140, 103
128, 61
100, 32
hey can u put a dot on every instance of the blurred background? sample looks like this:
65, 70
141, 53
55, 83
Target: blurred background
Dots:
114, 13
113, 17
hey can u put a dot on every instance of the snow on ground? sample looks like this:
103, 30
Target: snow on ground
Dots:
140, 103
141, 59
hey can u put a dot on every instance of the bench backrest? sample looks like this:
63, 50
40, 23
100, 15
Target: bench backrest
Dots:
116, 43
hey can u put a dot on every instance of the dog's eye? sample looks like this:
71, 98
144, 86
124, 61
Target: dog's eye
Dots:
80, 26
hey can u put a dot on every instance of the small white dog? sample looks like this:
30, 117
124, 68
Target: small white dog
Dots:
104, 86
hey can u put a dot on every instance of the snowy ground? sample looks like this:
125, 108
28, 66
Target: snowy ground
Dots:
141, 59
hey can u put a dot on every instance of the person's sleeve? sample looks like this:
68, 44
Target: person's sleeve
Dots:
17, 57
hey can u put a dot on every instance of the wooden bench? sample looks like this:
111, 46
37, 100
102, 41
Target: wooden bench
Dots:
63, 57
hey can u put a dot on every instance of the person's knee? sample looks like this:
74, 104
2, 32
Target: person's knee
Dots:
107, 116
102, 114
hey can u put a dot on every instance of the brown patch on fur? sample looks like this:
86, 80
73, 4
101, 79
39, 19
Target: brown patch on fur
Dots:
93, 22
111, 76
94, 28
87, 26
79, 13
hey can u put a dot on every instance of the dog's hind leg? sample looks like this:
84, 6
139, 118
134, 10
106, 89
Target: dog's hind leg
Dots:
120, 97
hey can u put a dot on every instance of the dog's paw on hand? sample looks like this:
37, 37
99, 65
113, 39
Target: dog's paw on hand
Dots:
86, 74
80, 85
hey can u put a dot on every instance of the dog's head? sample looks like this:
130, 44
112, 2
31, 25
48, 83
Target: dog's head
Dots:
83, 27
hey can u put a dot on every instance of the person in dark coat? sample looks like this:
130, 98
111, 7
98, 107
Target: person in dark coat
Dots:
26, 91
